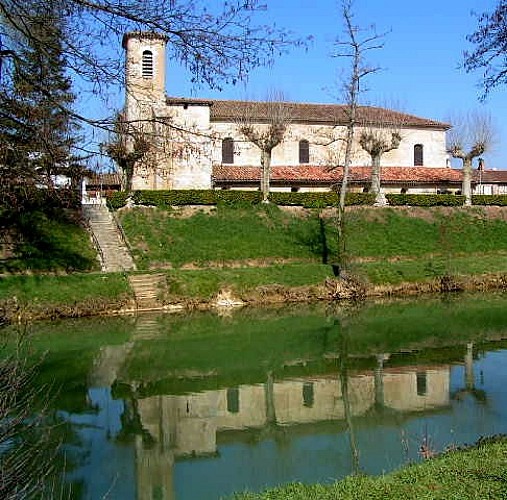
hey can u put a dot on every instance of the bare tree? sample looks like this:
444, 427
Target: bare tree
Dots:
353, 46
218, 45
377, 140
490, 41
471, 136
265, 124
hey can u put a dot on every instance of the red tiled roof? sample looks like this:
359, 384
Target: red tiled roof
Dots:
104, 179
325, 114
491, 176
308, 174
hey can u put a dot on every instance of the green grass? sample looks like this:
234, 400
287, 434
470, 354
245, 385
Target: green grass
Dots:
50, 243
208, 282
66, 289
260, 232
392, 232
476, 473
433, 243
427, 267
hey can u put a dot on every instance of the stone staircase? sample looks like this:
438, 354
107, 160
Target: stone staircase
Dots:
146, 288
113, 251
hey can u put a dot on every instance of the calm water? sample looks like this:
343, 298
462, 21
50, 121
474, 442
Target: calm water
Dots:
198, 407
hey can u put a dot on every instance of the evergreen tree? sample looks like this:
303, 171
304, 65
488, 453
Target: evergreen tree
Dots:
37, 131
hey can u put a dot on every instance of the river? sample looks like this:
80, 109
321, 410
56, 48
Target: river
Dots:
203, 405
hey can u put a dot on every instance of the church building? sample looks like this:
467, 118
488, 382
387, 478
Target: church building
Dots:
197, 143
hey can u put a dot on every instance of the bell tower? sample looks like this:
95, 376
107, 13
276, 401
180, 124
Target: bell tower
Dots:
144, 74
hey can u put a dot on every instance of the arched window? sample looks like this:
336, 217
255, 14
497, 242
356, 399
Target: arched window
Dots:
418, 155
304, 151
147, 64
228, 150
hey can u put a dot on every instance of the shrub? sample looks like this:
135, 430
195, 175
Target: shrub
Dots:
425, 200
498, 200
320, 200
117, 199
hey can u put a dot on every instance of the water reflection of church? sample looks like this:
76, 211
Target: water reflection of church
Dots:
180, 426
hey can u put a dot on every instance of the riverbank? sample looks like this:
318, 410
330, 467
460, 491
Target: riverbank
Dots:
225, 256
31, 298
476, 472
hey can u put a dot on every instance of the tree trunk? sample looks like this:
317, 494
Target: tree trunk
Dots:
375, 178
375, 174
265, 175
340, 219
466, 189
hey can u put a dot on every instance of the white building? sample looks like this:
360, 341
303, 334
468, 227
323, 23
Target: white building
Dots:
197, 143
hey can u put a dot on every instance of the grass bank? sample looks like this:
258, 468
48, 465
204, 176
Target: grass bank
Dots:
477, 472
52, 296
47, 241
265, 254
388, 249
409, 243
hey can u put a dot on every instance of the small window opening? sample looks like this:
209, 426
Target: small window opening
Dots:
147, 64
228, 150
418, 155
304, 151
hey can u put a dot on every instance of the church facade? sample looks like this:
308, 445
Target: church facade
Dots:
197, 143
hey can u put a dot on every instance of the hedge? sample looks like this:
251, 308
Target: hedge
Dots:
117, 199
320, 200
482, 199
233, 198
425, 200
308, 200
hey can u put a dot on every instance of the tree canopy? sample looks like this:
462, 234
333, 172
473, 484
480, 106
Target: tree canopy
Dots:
219, 42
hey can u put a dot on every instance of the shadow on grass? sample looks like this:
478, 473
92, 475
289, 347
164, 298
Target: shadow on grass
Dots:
48, 242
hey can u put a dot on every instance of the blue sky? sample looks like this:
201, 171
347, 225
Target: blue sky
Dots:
420, 61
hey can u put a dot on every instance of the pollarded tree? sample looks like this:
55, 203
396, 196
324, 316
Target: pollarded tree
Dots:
126, 147
470, 137
377, 141
490, 53
266, 124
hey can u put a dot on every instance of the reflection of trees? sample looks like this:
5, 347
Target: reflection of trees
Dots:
469, 378
272, 429
379, 381
343, 350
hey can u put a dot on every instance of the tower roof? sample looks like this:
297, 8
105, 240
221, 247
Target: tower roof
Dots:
145, 35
